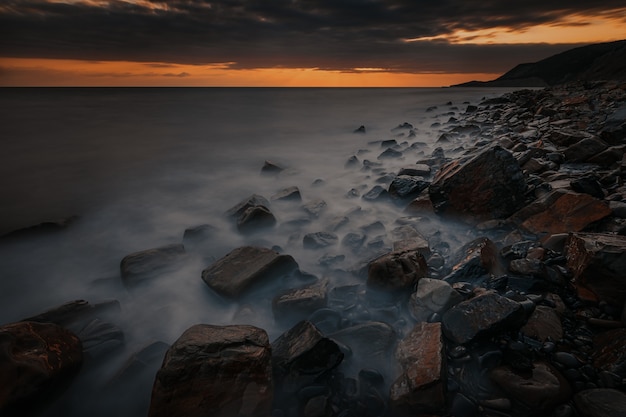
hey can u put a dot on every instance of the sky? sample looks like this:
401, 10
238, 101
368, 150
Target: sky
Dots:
351, 43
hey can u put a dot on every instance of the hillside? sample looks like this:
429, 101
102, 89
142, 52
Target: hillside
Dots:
602, 61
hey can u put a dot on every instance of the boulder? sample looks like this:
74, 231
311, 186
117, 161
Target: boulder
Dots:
598, 262
390, 153
288, 194
609, 353
486, 186
354, 241
544, 324
298, 302
585, 149
140, 266
244, 267
588, 185
560, 212
38, 361
376, 193
406, 186
476, 260
254, 200
432, 296
396, 270
255, 218
319, 240
271, 168
314, 208
601, 402
485, 314
541, 389
220, 371
421, 386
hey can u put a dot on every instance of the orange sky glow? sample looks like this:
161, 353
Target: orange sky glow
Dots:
70, 72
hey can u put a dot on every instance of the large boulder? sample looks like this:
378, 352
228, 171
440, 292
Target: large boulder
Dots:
609, 353
141, 266
221, 371
561, 212
432, 296
585, 149
598, 262
486, 186
245, 267
37, 362
421, 386
482, 315
601, 402
396, 270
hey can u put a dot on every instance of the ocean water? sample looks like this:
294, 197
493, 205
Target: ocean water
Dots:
140, 165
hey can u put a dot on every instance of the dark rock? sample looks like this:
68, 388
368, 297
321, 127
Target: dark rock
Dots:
255, 218
360, 129
475, 260
588, 185
388, 143
352, 162
288, 194
354, 241
319, 240
404, 186
608, 157
271, 168
598, 262
471, 109
144, 360
100, 338
405, 125
396, 270
561, 212
421, 387
609, 353
244, 267
198, 234
540, 389
377, 193
314, 208
417, 170
297, 303
585, 149
75, 313
482, 315
390, 153
486, 186
432, 296
254, 200
374, 227
215, 370
544, 324
50, 226
38, 361
370, 342
139, 266
601, 402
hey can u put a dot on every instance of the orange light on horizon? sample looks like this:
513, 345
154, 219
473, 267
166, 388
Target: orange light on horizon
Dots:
65, 72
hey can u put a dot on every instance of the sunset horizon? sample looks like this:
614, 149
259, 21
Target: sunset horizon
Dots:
291, 44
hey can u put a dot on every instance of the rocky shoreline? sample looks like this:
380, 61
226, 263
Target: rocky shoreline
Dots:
527, 319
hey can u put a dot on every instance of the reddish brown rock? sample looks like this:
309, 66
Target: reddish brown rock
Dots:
561, 212
544, 324
421, 387
479, 257
396, 270
540, 389
37, 361
601, 402
598, 262
300, 301
221, 371
609, 353
482, 315
486, 186
244, 267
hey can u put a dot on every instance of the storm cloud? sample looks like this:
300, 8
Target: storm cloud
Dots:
327, 34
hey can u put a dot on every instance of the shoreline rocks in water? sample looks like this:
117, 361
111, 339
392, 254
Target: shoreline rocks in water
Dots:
526, 319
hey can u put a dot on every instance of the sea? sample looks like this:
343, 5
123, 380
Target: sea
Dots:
139, 166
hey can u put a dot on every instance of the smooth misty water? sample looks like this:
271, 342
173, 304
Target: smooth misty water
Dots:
139, 166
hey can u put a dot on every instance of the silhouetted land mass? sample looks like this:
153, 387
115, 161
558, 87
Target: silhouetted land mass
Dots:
601, 61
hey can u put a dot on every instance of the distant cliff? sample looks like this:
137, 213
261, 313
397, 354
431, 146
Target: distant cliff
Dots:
601, 61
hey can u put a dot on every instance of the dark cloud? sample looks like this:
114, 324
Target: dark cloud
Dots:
332, 34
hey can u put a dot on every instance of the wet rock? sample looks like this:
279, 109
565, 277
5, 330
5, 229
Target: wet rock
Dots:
73, 314
255, 218
353, 241
405, 186
314, 208
360, 129
396, 270
588, 185
585, 149
38, 361
390, 153
377, 193
100, 338
476, 259
540, 389
417, 170
561, 212
140, 266
271, 168
245, 267
601, 402
482, 315
598, 262
544, 324
297, 303
41, 229
352, 162
254, 200
144, 360
486, 186
198, 234
421, 387
288, 194
370, 341
217, 371
301, 354
609, 353
432, 296
319, 240
420, 205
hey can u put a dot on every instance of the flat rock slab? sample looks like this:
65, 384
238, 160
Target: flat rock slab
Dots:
421, 387
245, 267
540, 389
598, 262
139, 266
601, 402
487, 186
481, 315
37, 360
221, 371
561, 212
